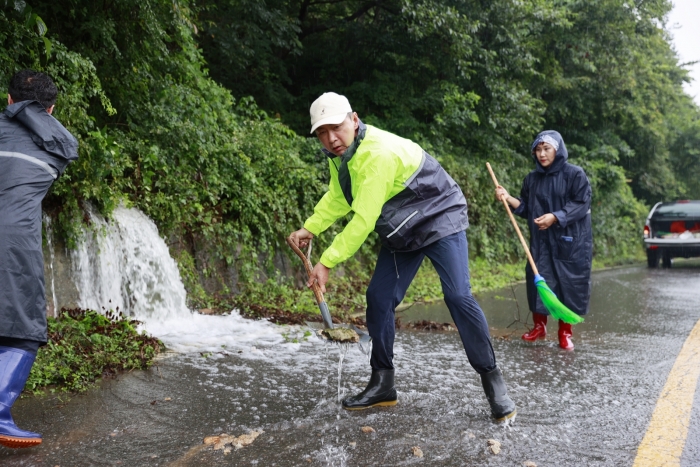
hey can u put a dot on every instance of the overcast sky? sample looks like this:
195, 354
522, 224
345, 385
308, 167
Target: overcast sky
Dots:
684, 26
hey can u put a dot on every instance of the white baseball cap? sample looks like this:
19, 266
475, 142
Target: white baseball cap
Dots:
330, 108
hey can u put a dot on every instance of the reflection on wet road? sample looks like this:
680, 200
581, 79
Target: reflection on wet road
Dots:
589, 407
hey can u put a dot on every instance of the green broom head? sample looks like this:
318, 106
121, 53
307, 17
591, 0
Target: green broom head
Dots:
556, 308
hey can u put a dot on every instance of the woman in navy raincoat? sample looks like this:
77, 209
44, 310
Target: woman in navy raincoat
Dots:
556, 201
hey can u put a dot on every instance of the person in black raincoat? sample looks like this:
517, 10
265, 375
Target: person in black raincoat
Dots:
35, 149
556, 201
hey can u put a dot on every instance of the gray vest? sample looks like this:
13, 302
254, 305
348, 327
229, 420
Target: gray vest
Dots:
431, 207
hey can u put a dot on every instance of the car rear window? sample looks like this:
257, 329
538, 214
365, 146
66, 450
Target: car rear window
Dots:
679, 209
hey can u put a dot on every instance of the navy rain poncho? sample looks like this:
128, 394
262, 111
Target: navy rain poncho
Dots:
563, 252
35, 149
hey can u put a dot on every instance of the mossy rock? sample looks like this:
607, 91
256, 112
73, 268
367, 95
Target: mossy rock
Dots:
341, 335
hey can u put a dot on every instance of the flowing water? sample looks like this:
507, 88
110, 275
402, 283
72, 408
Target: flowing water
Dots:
54, 307
589, 407
342, 351
125, 265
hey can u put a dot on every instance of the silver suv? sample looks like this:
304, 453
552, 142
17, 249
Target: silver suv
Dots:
672, 230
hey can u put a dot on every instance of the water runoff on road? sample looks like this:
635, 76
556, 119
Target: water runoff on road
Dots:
226, 374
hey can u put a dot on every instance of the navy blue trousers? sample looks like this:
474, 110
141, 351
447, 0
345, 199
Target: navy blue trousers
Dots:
392, 276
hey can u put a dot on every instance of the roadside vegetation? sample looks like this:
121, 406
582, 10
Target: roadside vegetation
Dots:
85, 346
282, 301
197, 114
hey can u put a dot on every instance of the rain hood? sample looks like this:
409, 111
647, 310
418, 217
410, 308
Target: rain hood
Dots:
46, 131
554, 138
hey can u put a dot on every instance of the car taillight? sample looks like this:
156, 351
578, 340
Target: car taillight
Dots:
647, 231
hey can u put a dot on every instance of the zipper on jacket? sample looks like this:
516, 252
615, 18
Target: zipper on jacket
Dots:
403, 223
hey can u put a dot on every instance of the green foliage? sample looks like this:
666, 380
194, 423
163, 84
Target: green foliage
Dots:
345, 295
277, 297
425, 286
25, 46
484, 275
296, 337
226, 165
203, 166
85, 345
487, 275
473, 82
686, 157
197, 297
618, 214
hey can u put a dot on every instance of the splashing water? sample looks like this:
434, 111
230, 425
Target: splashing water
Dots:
342, 351
125, 265
332, 456
366, 349
509, 422
49, 243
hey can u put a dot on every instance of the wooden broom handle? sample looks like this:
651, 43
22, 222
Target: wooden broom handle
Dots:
515, 224
309, 267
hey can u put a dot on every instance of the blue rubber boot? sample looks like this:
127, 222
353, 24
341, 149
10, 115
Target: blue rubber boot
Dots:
15, 365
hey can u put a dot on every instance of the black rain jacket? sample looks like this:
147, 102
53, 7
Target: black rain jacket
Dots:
35, 149
564, 252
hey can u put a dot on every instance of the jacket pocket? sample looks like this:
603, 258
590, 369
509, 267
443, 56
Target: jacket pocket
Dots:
565, 247
404, 222
395, 232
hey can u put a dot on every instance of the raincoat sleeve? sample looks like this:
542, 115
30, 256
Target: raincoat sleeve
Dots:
374, 179
579, 200
330, 208
522, 210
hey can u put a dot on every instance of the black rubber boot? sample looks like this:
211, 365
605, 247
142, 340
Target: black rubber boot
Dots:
380, 392
502, 407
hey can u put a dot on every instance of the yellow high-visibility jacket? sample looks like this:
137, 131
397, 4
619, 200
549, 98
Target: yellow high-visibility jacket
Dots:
392, 186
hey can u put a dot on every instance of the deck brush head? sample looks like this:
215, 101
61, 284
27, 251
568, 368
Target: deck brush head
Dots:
341, 335
556, 308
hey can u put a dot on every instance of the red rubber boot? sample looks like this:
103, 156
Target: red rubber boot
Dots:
565, 334
540, 329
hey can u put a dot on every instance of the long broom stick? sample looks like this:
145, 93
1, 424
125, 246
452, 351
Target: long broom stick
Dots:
556, 308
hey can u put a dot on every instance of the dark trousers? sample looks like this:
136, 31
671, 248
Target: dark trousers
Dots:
392, 276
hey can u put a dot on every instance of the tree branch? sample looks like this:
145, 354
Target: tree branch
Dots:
304, 10
305, 32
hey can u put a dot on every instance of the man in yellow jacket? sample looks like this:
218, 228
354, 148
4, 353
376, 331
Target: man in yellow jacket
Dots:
394, 187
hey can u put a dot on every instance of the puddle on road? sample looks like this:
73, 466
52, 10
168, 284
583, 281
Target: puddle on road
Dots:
587, 407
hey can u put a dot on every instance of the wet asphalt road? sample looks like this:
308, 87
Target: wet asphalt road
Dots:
589, 407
